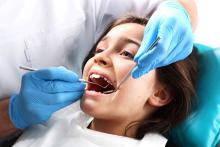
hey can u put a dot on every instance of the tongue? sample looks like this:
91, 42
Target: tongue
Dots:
101, 82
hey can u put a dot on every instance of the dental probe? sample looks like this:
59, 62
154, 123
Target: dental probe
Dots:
82, 80
129, 73
109, 91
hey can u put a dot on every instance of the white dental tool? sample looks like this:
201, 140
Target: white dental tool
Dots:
82, 80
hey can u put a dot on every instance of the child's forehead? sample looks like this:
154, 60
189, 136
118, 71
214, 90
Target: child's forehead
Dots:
131, 27
128, 30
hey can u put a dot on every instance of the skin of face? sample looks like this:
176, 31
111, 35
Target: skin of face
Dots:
132, 101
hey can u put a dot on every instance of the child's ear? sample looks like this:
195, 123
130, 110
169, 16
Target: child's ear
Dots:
159, 98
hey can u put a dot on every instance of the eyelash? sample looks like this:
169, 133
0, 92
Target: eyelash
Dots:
98, 51
125, 53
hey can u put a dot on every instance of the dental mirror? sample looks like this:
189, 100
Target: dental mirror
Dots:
82, 80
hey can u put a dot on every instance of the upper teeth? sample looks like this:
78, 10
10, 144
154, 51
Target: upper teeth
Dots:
100, 76
94, 76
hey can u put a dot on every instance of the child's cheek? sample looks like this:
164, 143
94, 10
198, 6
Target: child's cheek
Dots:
87, 67
122, 68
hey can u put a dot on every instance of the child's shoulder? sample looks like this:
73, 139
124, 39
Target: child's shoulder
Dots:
153, 139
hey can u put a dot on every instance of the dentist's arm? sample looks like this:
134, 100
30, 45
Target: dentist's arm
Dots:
191, 9
6, 127
42, 93
173, 22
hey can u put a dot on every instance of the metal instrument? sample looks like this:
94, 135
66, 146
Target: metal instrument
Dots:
110, 91
129, 73
82, 80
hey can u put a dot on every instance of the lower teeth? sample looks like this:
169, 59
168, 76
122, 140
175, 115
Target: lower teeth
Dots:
103, 92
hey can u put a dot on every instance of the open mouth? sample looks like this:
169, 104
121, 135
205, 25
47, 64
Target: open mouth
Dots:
100, 83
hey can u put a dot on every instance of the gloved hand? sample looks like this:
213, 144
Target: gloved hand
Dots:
42, 93
172, 24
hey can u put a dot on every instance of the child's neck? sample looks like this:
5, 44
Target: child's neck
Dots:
113, 127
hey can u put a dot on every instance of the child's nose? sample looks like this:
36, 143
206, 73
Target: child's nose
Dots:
103, 59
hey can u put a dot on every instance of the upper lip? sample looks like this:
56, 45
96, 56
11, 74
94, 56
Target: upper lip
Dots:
102, 74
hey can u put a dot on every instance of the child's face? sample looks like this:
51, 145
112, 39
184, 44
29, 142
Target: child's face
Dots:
113, 60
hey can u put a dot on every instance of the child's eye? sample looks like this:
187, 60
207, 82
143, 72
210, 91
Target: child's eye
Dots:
127, 54
98, 51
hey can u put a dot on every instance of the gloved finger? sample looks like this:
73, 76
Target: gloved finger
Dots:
61, 86
150, 34
56, 73
148, 60
140, 71
59, 98
166, 34
137, 72
185, 46
56, 107
145, 63
45, 112
176, 49
185, 50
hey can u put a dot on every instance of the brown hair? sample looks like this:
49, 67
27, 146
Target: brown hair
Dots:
179, 79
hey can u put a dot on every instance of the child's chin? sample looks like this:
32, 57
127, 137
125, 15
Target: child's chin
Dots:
88, 106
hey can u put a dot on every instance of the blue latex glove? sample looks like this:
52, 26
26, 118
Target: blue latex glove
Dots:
42, 93
171, 23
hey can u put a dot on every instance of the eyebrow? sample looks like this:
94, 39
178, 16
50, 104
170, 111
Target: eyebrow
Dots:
130, 40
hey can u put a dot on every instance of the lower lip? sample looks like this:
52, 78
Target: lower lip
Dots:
94, 93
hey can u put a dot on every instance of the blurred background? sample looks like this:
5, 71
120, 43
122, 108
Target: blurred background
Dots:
208, 29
